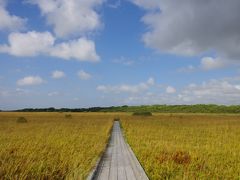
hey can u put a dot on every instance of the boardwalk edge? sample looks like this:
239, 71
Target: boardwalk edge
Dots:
143, 174
95, 169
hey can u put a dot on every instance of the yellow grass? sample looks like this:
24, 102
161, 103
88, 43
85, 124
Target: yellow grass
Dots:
186, 146
51, 146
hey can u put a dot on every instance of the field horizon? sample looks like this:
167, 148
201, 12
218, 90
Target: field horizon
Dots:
195, 108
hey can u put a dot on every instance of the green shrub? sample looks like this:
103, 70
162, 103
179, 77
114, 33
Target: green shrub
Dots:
21, 120
144, 113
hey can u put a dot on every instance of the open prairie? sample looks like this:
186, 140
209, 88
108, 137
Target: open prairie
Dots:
186, 146
51, 145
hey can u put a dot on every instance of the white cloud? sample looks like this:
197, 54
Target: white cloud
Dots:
170, 90
147, 4
125, 88
70, 17
28, 44
30, 80
84, 75
55, 93
116, 4
81, 49
58, 74
191, 27
124, 61
43, 43
20, 91
8, 21
6, 93
103, 88
209, 63
222, 91
151, 81
216, 91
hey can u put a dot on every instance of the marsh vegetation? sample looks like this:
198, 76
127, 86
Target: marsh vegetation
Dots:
46, 146
186, 146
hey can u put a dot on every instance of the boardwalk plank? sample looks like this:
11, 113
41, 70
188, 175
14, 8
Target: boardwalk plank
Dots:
119, 161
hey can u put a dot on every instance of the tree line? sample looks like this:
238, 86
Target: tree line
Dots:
198, 108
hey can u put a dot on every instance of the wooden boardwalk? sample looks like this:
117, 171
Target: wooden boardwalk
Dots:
119, 161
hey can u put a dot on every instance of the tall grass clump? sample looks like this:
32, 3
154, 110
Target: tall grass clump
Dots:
21, 120
68, 116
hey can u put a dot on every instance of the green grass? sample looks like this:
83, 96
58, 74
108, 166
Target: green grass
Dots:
186, 146
51, 146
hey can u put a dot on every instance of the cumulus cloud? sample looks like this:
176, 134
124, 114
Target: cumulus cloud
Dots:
81, 49
193, 27
126, 88
30, 80
58, 74
9, 21
43, 43
28, 44
215, 91
170, 90
209, 63
222, 91
84, 75
79, 16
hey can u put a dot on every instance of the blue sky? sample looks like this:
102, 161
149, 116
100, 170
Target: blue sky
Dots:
78, 53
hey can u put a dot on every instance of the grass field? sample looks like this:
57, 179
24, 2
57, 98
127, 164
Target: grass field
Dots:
186, 146
169, 146
50, 145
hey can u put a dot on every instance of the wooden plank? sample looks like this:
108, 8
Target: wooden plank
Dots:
105, 169
119, 161
113, 167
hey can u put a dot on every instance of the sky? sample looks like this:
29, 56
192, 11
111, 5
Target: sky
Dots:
85, 53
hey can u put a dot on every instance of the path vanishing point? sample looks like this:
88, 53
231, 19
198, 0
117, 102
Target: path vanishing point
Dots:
118, 161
